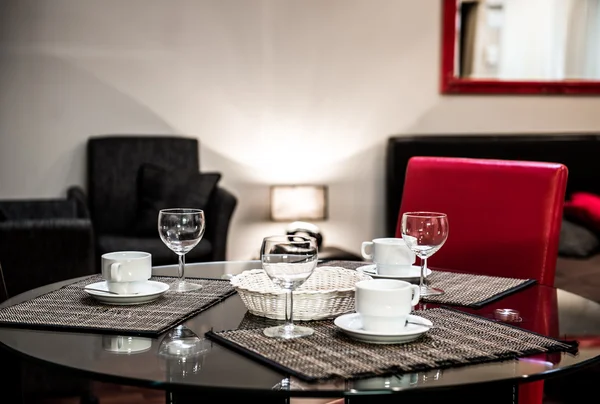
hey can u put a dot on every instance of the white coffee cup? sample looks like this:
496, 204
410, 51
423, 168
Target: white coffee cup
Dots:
126, 271
391, 256
384, 304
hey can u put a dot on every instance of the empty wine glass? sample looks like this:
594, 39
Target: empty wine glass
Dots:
288, 261
425, 233
183, 352
181, 342
181, 229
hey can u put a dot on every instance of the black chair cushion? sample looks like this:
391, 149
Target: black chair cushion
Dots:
577, 241
161, 255
160, 188
113, 166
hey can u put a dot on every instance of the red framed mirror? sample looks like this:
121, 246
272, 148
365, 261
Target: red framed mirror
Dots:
520, 47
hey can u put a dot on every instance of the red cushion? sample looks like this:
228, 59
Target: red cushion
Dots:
585, 208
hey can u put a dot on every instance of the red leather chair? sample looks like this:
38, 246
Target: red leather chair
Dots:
504, 216
504, 219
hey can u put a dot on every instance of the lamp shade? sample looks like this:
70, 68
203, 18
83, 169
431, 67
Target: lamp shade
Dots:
298, 202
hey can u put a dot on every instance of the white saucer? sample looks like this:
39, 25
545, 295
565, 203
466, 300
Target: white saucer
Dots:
154, 291
414, 273
351, 324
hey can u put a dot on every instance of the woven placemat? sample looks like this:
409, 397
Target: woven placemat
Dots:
468, 290
457, 339
70, 308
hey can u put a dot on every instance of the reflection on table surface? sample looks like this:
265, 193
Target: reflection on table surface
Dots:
544, 310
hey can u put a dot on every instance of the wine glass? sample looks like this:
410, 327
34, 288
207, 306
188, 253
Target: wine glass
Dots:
181, 229
183, 352
425, 233
288, 261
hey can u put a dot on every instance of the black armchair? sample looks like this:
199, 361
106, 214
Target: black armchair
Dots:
41, 242
130, 178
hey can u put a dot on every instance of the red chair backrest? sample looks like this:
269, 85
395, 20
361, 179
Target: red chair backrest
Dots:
504, 216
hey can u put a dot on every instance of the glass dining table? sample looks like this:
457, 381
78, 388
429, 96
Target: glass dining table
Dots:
221, 372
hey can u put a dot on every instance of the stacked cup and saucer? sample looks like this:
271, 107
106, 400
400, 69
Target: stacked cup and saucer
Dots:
383, 313
392, 259
126, 281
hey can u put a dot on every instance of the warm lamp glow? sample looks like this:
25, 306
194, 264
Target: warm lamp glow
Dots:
298, 202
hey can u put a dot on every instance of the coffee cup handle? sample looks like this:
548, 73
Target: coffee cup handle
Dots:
416, 294
363, 250
115, 275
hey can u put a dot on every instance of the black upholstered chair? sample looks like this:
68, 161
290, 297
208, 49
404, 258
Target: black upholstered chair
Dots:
130, 178
41, 242
44, 241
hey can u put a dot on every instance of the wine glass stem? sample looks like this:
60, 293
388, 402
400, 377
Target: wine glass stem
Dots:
181, 267
289, 309
422, 277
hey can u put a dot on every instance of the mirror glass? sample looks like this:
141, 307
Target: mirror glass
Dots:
533, 40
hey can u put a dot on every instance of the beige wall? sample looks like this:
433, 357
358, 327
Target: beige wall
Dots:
276, 91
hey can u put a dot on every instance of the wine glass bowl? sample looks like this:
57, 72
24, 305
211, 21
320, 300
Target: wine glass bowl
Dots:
181, 342
425, 233
182, 352
288, 261
181, 229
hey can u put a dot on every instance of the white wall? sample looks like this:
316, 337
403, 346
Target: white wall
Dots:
276, 91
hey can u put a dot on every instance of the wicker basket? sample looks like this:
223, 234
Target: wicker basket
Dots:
328, 293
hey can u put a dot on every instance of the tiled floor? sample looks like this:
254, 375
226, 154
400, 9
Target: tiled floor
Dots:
115, 394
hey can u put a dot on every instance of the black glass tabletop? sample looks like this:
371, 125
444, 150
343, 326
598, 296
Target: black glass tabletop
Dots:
213, 367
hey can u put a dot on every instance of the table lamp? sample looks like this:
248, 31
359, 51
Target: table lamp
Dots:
299, 204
